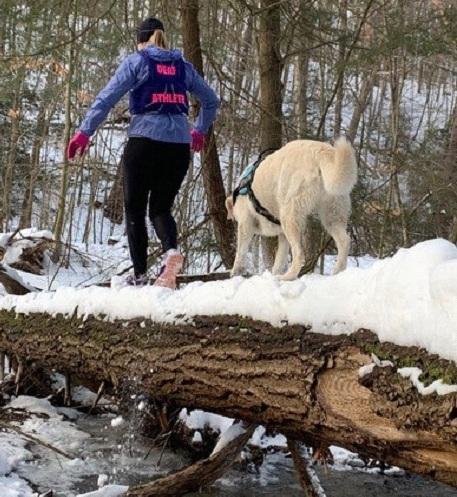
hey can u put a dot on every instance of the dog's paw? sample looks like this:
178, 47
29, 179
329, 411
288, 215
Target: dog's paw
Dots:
236, 271
288, 276
239, 272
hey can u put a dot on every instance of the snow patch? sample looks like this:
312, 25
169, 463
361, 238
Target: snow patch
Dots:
368, 368
437, 386
102, 480
199, 420
117, 421
53, 430
227, 436
197, 438
108, 491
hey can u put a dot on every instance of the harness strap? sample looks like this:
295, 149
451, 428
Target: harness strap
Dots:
260, 209
246, 185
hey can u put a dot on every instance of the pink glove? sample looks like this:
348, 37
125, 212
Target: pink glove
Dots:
78, 143
198, 140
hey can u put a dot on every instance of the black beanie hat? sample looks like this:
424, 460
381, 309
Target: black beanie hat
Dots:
147, 28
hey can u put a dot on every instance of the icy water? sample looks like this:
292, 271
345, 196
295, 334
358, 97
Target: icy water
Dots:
125, 458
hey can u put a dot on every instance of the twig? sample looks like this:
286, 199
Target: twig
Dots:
100, 391
306, 474
165, 443
67, 394
19, 373
2, 366
36, 440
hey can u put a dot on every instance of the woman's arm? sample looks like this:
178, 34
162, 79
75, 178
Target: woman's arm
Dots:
123, 80
208, 99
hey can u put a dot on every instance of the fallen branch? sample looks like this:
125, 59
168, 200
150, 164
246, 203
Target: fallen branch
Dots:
36, 440
196, 476
307, 477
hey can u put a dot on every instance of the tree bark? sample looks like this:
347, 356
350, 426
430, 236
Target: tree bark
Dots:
114, 208
270, 75
60, 215
302, 384
211, 171
450, 173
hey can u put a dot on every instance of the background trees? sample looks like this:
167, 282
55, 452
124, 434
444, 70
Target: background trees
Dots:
382, 72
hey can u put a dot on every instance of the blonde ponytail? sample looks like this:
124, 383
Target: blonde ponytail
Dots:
159, 39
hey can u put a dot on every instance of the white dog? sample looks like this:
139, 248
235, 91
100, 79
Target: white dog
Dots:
302, 178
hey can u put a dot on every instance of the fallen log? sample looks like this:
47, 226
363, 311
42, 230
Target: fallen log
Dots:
305, 385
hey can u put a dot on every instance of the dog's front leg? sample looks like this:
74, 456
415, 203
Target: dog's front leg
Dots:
293, 228
281, 255
244, 237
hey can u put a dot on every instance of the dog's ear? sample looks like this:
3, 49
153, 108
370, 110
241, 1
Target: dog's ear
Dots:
229, 207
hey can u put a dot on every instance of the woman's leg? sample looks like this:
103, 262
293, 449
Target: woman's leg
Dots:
170, 170
136, 191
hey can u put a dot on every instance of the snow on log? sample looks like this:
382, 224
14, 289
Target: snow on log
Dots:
305, 385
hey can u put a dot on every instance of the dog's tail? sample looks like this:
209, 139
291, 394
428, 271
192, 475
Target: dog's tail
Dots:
340, 174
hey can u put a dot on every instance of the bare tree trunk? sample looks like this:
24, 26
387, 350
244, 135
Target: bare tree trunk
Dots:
41, 129
303, 71
343, 5
270, 67
59, 223
450, 172
270, 75
114, 208
360, 105
212, 176
7, 183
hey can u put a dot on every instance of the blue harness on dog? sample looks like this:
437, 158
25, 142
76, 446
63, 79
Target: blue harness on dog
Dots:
245, 187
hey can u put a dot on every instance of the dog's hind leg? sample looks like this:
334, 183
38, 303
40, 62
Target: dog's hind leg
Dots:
244, 237
334, 216
282, 253
343, 243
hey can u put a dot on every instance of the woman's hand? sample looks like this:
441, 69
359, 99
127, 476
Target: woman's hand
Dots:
198, 140
78, 143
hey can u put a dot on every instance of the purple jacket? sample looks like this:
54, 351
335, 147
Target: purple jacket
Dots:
175, 128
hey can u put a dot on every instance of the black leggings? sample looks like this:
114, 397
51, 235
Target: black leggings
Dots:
153, 173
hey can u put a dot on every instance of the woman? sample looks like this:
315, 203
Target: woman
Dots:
157, 154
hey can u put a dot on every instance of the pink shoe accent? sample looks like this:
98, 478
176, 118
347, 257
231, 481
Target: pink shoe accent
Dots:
173, 265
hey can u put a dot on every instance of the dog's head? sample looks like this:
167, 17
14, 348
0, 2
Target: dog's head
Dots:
229, 207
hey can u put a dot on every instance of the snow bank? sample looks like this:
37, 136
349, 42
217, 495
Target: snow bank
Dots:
409, 299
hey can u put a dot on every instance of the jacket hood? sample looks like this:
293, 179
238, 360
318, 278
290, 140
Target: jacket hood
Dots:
161, 54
